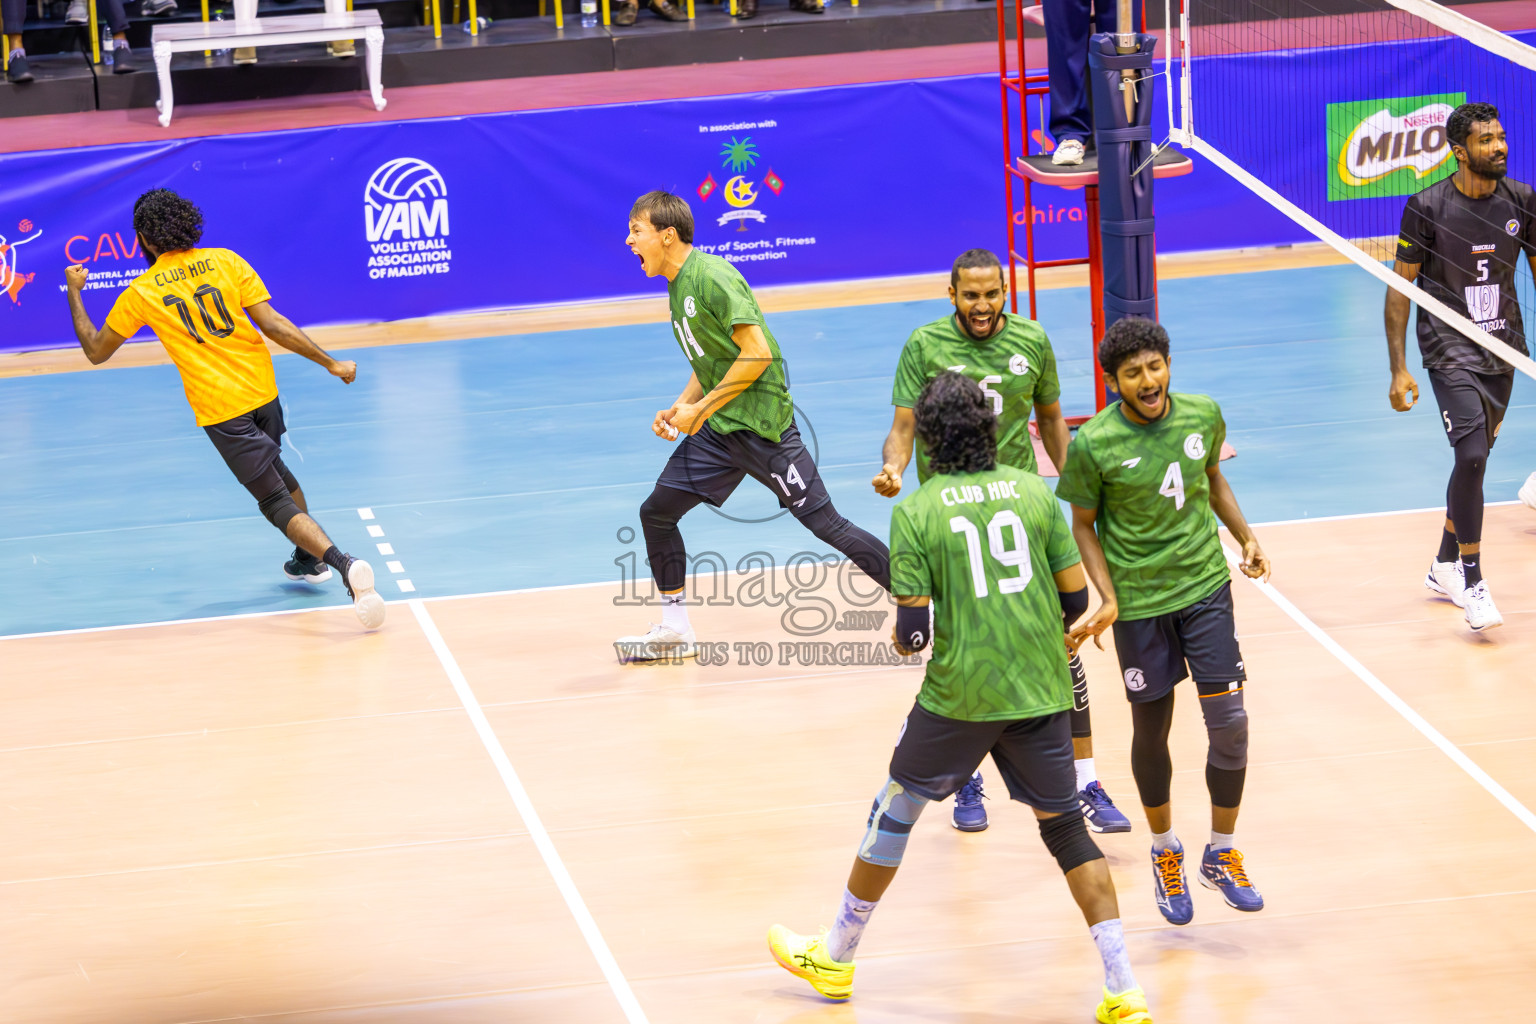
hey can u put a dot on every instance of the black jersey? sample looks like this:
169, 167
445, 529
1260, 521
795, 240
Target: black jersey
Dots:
1469, 249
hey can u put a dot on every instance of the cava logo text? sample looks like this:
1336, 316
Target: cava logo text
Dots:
405, 215
1390, 147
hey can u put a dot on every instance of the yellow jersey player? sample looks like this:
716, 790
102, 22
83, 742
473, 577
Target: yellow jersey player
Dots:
205, 306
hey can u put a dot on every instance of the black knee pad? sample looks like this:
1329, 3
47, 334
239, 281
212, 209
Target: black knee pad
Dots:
1068, 840
664, 506
279, 508
1226, 725
289, 480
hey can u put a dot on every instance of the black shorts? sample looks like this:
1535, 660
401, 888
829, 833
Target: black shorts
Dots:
1154, 652
252, 447
1471, 401
935, 756
711, 464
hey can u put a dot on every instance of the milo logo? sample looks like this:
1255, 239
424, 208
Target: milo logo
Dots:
1390, 147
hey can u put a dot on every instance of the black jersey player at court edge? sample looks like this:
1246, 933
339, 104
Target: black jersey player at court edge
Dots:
734, 415
1461, 241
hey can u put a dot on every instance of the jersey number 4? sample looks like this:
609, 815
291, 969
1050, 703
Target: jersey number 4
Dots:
1016, 556
223, 329
1173, 485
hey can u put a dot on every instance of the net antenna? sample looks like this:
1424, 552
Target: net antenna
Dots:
1250, 69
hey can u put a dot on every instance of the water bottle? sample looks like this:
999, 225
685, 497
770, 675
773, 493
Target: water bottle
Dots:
218, 15
589, 13
106, 46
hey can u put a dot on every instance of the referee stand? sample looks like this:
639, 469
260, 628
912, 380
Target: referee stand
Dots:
1023, 169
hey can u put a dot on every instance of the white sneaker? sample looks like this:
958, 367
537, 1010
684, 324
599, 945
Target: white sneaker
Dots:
1448, 579
659, 643
1528, 491
1069, 153
365, 600
1481, 614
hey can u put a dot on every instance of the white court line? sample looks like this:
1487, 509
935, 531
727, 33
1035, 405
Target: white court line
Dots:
388, 549
1395, 702
531, 819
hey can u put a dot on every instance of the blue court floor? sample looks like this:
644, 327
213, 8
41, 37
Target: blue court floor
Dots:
518, 462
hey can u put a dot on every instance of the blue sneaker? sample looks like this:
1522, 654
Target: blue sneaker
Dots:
1100, 812
1223, 871
1170, 887
970, 816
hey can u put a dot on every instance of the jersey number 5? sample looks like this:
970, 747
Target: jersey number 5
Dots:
223, 329
1016, 556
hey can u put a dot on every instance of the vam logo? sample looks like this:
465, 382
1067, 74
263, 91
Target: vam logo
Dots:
1389, 147
1019, 365
1134, 680
406, 198
1194, 446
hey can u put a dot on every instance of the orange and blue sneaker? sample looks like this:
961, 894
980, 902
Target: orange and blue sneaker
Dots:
1223, 871
1125, 1008
1170, 887
805, 956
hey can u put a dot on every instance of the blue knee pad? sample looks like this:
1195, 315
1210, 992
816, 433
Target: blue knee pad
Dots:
890, 822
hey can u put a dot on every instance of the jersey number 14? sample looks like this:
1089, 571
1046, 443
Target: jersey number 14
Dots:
1016, 557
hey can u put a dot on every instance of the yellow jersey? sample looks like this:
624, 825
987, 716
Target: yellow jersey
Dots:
195, 302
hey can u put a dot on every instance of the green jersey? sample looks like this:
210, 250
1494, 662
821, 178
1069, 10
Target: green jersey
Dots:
984, 547
709, 297
1015, 367
1153, 498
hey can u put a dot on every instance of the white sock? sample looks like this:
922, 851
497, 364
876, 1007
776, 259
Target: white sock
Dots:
1165, 841
674, 612
844, 935
1086, 772
1220, 841
1109, 936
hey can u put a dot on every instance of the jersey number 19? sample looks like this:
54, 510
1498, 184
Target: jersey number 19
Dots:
1014, 557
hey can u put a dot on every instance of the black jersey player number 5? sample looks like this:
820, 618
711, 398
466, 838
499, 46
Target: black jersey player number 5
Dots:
202, 297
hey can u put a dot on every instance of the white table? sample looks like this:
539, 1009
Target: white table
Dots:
184, 37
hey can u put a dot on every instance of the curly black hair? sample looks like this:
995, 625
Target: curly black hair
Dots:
1459, 125
1128, 336
167, 221
956, 425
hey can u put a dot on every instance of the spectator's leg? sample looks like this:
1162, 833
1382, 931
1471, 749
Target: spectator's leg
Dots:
13, 14
1066, 35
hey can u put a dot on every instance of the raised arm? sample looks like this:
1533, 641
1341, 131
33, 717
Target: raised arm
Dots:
283, 332
98, 346
1054, 434
1097, 568
1403, 384
896, 453
751, 363
1255, 563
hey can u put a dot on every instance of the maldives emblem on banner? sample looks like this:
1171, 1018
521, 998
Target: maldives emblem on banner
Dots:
741, 191
1389, 147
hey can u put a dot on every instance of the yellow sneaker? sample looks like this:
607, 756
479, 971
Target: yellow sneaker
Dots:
1125, 1008
805, 956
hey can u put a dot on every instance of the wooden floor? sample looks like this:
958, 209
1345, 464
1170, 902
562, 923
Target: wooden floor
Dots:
281, 818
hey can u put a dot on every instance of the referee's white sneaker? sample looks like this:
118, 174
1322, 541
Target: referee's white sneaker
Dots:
1528, 491
1448, 579
659, 643
1481, 613
1069, 153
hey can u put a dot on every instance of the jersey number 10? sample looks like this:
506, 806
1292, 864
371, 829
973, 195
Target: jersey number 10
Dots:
201, 297
1016, 556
